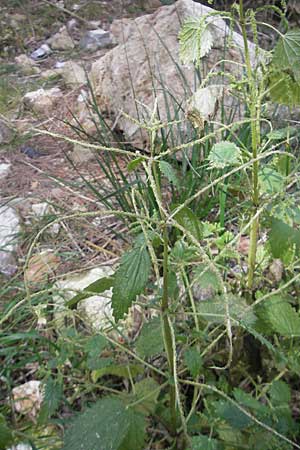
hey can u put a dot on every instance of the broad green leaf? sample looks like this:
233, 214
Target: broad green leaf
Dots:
232, 415
270, 181
280, 392
224, 154
146, 392
103, 426
6, 436
99, 363
281, 237
132, 165
195, 40
95, 345
287, 53
282, 133
123, 371
53, 395
150, 341
136, 435
189, 221
130, 279
245, 399
169, 172
193, 361
282, 316
284, 89
206, 278
97, 287
203, 442
215, 311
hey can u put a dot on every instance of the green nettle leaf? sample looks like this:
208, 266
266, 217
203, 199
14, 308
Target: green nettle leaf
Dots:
287, 53
232, 415
193, 361
282, 133
282, 316
95, 345
188, 220
150, 341
53, 395
281, 237
130, 279
146, 393
284, 89
280, 392
214, 310
224, 154
97, 287
169, 172
135, 438
203, 442
195, 40
103, 426
270, 181
206, 278
6, 436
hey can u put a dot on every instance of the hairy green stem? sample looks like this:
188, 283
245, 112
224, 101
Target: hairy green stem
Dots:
167, 332
255, 141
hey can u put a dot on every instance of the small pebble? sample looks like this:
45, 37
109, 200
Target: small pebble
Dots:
31, 152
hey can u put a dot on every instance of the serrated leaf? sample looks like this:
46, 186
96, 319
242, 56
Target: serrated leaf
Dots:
132, 165
232, 415
130, 279
284, 89
150, 341
270, 181
195, 40
136, 435
53, 395
224, 154
203, 442
95, 345
99, 363
169, 172
206, 277
188, 220
6, 436
280, 392
214, 310
245, 399
97, 287
281, 237
123, 371
193, 361
103, 426
146, 393
287, 52
282, 133
282, 316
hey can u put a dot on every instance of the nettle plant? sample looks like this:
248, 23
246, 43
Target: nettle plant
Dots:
214, 266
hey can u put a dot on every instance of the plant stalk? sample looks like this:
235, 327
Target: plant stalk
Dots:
167, 331
255, 142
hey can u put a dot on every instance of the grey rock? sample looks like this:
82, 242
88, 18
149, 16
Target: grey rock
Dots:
61, 40
95, 39
32, 153
4, 170
42, 100
147, 58
41, 53
73, 74
9, 230
26, 64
